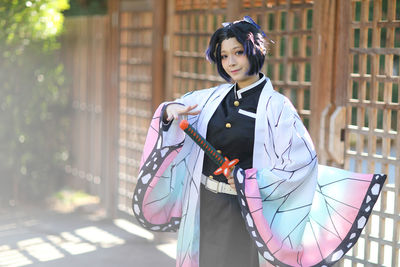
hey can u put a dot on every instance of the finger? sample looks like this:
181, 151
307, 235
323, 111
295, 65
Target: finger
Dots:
190, 113
230, 174
194, 112
190, 108
172, 116
187, 108
183, 111
193, 106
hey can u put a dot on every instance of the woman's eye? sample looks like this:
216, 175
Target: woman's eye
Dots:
223, 56
240, 52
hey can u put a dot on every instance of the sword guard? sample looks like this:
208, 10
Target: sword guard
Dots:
226, 166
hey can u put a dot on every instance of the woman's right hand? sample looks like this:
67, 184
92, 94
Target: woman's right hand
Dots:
173, 111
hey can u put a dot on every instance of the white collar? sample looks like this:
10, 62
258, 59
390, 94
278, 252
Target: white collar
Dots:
249, 87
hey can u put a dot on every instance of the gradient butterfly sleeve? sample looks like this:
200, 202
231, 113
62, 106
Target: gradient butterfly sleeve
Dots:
157, 196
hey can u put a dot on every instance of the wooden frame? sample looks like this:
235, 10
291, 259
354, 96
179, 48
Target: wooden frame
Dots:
346, 60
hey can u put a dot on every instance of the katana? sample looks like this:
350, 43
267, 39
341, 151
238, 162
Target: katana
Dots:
223, 163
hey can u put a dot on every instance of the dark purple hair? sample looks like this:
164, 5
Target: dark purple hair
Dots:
249, 36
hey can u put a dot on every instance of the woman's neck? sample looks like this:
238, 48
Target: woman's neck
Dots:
250, 80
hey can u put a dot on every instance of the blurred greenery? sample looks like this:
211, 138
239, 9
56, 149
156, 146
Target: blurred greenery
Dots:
67, 200
33, 101
86, 8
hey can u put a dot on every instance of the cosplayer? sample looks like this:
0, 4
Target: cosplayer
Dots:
277, 204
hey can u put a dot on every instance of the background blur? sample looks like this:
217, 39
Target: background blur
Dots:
80, 79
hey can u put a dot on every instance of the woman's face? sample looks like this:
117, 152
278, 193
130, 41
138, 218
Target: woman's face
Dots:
235, 62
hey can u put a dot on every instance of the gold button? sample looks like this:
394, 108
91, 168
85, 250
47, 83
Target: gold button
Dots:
211, 177
228, 125
219, 151
236, 103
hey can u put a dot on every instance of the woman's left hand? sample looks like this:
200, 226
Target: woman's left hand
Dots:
231, 180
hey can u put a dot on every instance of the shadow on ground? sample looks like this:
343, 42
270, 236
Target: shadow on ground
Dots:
41, 237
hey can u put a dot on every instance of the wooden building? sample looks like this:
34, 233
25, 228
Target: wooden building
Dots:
337, 60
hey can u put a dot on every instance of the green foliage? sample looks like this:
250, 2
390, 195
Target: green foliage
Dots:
86, 8
33, 102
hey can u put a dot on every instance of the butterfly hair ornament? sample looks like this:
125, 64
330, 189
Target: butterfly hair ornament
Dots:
248, 19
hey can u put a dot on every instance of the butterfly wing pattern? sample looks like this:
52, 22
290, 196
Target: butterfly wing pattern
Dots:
157, 207
293, 228
164, 187
340, 210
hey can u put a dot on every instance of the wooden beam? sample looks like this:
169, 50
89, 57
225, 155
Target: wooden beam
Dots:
341, 62
322, 70
169, 48
111, 112
158, 55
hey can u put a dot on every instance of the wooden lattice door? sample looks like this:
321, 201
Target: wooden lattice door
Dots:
372, 139
135, 28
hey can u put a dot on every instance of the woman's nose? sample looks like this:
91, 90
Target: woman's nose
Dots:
231, 61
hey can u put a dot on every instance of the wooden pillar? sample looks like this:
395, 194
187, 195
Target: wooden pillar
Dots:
158, 55
341, 63
111, 107
322, 71
169, 48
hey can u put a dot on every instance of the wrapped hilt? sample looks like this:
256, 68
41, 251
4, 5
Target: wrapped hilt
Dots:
223, 163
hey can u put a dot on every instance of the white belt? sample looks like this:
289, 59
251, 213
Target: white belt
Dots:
217, 187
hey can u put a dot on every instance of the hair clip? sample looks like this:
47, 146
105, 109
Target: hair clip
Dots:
248, 19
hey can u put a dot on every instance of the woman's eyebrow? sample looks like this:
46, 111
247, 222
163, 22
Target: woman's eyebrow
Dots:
234, 48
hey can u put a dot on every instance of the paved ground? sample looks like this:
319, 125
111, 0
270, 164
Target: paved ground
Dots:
40, 237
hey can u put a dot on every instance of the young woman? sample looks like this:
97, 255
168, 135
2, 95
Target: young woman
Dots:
277, 205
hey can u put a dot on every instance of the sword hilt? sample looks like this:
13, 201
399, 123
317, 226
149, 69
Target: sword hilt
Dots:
224, 164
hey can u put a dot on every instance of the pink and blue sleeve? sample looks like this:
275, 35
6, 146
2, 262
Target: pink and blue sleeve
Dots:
156, 200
